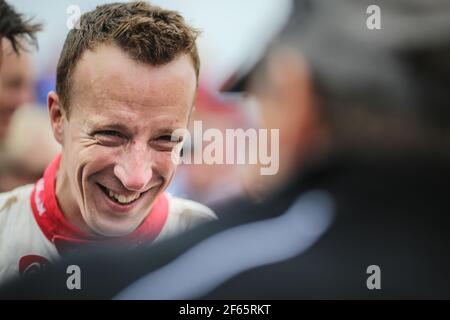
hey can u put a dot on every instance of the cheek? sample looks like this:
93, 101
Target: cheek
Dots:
163, 166
89, 161
98, 158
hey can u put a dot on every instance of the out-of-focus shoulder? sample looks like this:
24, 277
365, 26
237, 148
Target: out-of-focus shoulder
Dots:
184, 215
190, 210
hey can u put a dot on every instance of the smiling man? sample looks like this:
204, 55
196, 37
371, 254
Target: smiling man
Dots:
126, 80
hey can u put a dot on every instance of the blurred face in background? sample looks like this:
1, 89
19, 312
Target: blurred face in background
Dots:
116, 140
27, 149
16, 82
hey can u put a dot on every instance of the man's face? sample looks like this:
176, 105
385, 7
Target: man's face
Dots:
16, 82
117, 139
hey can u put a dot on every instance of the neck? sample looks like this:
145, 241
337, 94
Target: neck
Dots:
68, 204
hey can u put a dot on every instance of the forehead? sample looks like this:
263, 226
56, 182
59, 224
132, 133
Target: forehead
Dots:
107, 77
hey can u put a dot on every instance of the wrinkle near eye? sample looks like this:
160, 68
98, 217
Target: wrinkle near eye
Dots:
89, 141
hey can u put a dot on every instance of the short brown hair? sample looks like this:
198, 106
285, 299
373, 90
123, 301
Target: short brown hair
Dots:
146, 32
14, 27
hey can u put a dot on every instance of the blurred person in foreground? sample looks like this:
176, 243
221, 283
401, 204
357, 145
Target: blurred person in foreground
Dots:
126, 79
212, 184
360, 208
14, 63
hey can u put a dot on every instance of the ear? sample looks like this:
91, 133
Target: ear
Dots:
1, 52
291, 81
57, 116
302, 129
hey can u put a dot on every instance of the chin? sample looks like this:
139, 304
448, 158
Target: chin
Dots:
110, 225
109, 230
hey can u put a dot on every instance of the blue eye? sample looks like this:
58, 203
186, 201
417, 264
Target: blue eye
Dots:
110, 138
111, 133
165, 138
164, 142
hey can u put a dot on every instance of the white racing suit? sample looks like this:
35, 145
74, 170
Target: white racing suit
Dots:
34, 232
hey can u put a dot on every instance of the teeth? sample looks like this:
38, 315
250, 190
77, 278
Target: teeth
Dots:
123, 199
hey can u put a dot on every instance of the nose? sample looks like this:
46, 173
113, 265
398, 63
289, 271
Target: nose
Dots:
134, 170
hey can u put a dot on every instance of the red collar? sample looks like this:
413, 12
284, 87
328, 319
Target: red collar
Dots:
66, 237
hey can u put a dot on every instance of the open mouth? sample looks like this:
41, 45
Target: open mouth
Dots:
120, 198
